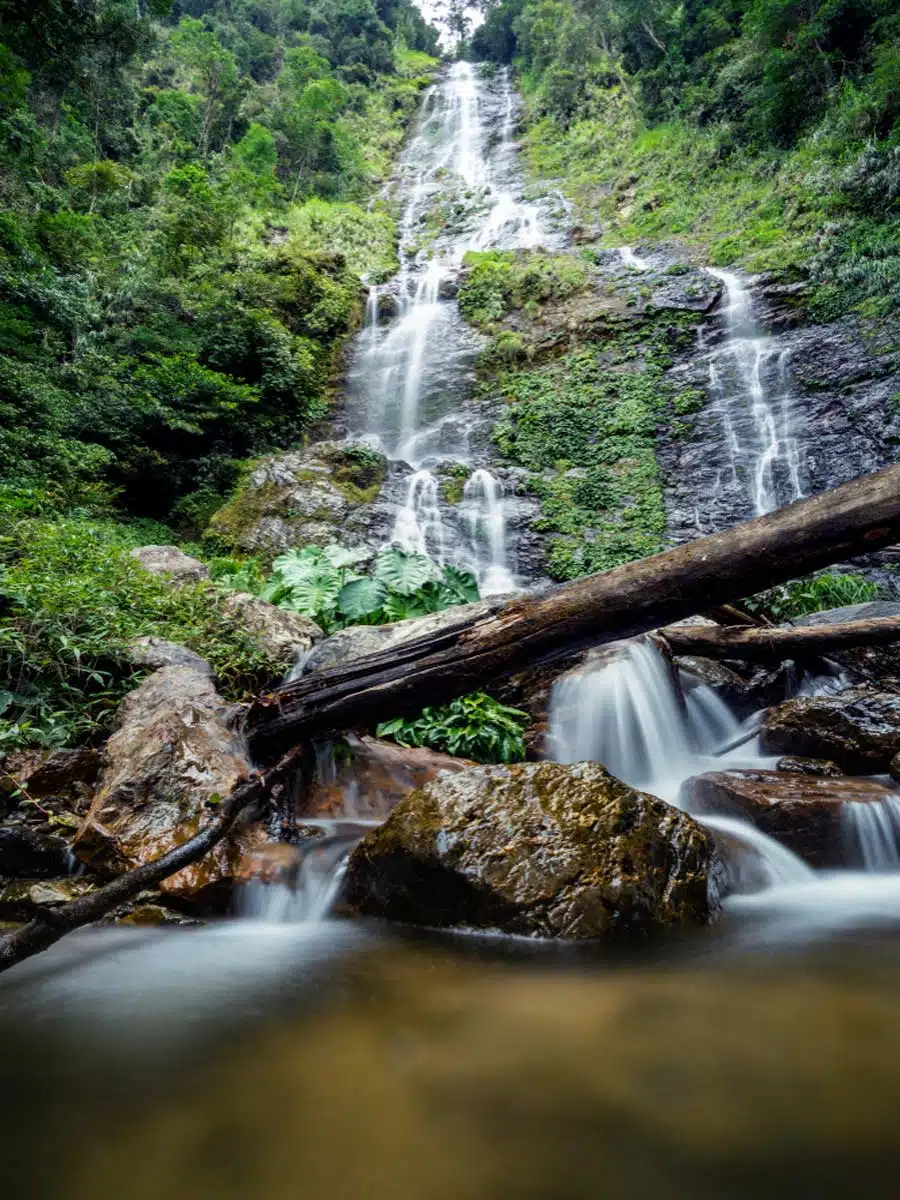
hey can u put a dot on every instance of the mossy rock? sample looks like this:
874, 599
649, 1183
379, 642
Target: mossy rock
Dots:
304, 497
537, 849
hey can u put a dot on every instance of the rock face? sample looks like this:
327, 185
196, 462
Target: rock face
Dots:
859, 729
537, 848
370, 777
803, 812
172, 562
280, 633
170, 755
328, 493
359, 640
157, 652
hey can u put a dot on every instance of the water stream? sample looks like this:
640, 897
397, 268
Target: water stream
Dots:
460, 188
750, 388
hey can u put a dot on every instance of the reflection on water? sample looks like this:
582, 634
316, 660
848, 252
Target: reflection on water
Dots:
330, 1061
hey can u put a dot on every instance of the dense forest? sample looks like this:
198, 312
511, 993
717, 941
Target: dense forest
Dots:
764, 131
182, 239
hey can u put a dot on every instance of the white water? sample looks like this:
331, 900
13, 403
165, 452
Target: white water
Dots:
630, 713
748, 380
630, 259
460, 186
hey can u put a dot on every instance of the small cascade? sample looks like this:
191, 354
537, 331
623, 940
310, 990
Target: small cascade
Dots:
485, 518
872, 833
749, 383
308, 889
631, 715
419, 526
630, 259
370, 325
774, 865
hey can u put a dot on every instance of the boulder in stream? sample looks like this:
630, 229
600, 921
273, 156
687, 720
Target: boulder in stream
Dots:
805, 813
171, 756
859, 729
537, 849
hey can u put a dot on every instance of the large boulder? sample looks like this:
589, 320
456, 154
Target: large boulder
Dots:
171, 757
359, 640
805, 813
859, 729
369, 778
171, 563
327, 493
281, 634
536, 848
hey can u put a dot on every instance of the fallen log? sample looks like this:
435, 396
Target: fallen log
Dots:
832, 527
780, 642
52, 924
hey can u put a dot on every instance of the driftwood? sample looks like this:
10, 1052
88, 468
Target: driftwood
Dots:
832, 527
52, 924
803, 641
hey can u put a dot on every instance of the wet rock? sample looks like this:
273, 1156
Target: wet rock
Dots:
25, 853
171, 756
368, 777
879, 665
327, 493
157, 652
803, 812
24, 899
172, 563
545, 849
42, 773
792, 765
281, 634
359, 640
859, 728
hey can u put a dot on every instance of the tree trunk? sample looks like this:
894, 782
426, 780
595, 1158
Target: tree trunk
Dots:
806, 641
478, 650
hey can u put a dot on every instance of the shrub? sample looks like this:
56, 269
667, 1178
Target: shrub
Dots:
474, 726
815, 594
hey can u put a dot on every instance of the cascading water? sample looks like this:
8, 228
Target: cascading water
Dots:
750, 387
630, 713
486, 520
410, 378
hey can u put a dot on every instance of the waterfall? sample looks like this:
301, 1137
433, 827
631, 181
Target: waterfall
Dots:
418, 526
411, 379
631, 715
749, 383
370, 324
486, 519
872, 833
630, 259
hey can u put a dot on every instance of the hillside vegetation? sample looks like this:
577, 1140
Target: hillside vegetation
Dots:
763, 132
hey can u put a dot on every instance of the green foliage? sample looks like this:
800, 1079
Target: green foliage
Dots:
498, 281
585, 425
185, 230
764, 132
72, 601
474, 726
326, 585
815, 594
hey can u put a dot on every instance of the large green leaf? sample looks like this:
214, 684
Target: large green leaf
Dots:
404, 573
458, 587
361, 597
343, 556
297, 565
401, 608
314, 592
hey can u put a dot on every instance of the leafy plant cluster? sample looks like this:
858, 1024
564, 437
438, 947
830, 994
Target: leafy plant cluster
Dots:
474, 726
183, 234
815, 594
324, 583
497, 281
72, 601
585, 425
